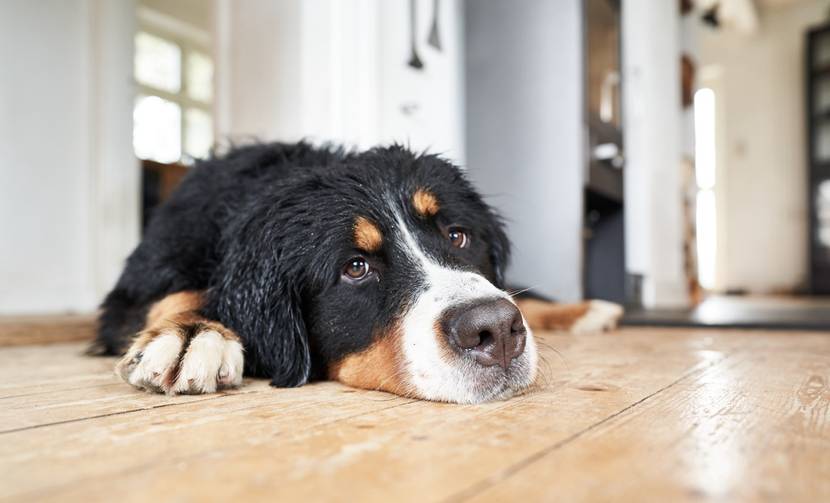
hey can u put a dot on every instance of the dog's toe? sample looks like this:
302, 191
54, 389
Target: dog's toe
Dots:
230, 372
152, 366
199, 369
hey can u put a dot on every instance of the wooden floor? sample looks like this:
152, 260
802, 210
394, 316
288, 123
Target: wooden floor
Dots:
636, 415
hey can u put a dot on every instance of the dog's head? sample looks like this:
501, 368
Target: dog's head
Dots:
383, 272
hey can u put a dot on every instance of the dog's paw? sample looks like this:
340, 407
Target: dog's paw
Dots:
184, 360
600, 316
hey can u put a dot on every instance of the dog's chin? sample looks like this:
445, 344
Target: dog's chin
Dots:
493, 383
470, 383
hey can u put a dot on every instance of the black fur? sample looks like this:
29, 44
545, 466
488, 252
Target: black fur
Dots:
266, 230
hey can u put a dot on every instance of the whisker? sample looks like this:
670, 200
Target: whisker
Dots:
548, 345
397, 391
549, 370
547, 373
558, 353
523, 290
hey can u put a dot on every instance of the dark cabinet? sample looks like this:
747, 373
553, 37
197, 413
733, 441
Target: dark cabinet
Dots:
818, 156
604, 262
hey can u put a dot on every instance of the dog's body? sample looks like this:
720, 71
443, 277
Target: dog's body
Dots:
381, 269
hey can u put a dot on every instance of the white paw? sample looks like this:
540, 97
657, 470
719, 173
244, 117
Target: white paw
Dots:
209, 362
601, 316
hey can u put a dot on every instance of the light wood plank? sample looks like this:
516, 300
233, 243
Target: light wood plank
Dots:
605, 395
26, 366
756, 428
465, 435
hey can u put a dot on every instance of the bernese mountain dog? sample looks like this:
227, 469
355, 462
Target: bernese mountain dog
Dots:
381, 269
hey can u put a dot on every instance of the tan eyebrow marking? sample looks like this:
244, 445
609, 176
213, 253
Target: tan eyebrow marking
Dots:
367, 236
425, 203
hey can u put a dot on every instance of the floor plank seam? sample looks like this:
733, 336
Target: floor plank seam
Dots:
122, 412
508, 472
35, 393
31, 495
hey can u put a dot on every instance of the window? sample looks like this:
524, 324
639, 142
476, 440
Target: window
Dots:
172, 116
823, 213
706, 175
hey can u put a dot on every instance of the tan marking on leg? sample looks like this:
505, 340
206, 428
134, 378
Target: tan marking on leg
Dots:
541, 315
584, 317
172, 304
378, 367
425, 203
367, 236
180, 309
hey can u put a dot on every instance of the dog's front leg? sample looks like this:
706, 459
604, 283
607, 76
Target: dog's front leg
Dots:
583, 317
181, 352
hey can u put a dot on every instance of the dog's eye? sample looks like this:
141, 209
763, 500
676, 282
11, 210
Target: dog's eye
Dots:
458, 238
356, 269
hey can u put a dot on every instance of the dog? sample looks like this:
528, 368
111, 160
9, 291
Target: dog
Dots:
381, 269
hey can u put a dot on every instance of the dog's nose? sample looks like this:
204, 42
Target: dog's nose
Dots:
492, 331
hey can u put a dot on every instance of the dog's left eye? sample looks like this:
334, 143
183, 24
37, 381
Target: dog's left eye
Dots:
356, 269
458, 237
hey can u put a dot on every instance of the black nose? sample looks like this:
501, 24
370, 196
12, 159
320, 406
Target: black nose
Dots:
492, 331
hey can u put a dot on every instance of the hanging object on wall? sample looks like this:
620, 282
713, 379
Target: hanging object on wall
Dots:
434, 36
738, 15
710, 17
687, 80
414, 60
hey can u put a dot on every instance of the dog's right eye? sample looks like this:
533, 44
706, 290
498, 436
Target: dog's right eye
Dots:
458, 238
356, 269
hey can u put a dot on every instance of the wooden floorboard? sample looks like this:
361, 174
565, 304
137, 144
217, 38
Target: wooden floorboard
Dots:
639, 414
734, 432
28, 330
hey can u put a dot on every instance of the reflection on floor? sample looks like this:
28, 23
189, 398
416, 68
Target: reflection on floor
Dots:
796, 313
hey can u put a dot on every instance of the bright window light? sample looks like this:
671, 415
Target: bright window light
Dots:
198, 128
172, 119
157, 129
705, 176
158, 63
199, 77
705, 138
706, 238
823, 207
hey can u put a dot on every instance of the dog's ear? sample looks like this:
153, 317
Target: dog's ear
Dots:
256, 293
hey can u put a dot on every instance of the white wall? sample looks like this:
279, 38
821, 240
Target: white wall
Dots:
258, 69
434, 94
653, 149
335, 70
761, 155
68, 197
525, 133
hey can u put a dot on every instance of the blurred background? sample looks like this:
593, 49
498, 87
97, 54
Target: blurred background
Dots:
672, 155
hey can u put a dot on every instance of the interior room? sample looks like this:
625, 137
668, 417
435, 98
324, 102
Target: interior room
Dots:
660, 169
